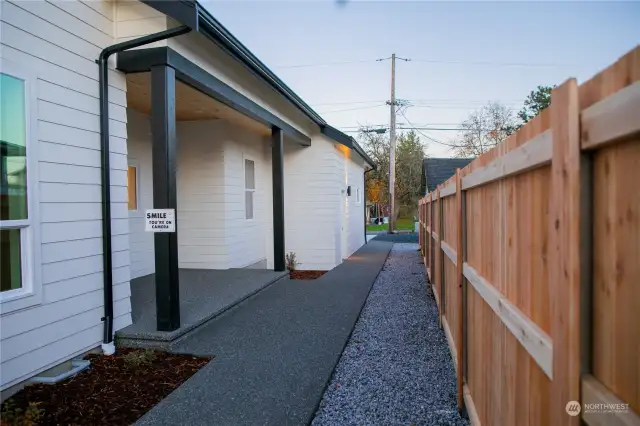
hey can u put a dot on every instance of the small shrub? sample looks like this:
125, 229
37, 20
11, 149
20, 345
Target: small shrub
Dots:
13, 416
136, 359
290, 260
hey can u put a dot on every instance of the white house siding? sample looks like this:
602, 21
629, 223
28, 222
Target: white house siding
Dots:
245, 238
201, 193
58, 42
355, 218
212, 230
139, 155
312, 192
133, 19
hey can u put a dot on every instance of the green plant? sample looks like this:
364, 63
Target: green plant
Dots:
290, 260
137, 359
14, 416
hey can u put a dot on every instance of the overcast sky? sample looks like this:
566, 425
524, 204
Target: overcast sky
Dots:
463, 54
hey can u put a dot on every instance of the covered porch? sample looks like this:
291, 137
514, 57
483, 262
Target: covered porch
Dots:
186, 287
204, 294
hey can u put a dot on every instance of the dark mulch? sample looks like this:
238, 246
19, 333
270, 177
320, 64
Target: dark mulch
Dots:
305, 275
111, 392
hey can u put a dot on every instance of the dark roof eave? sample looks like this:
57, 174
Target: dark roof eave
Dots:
346, 140
213, 29
192, 14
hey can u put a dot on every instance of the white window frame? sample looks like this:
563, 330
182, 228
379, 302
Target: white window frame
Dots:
136, 164
244, 185
31, 291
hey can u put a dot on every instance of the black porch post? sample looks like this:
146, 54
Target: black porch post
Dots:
277, 166
163, 130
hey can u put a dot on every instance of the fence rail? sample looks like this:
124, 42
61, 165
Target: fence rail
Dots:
533, 256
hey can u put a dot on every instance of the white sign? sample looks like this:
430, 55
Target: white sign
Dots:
160, 220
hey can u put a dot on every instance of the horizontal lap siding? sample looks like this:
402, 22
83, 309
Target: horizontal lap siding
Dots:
355, 221
312, 184
201, 192
246, 239
59, 42
139, 154
134, 19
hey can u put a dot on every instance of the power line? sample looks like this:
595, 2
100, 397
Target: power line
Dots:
428, 102
432, 61
489, 63
429, 137
326, 64
352, 109
349, 102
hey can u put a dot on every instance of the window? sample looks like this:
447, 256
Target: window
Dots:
249, 187
17, 167
357, 195
132, 187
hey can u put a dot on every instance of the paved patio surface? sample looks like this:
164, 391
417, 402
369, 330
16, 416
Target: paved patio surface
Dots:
204, 293
275, 352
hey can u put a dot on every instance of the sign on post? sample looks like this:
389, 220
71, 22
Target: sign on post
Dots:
160, 220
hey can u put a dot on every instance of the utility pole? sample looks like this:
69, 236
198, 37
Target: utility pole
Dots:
392, 145
392, 142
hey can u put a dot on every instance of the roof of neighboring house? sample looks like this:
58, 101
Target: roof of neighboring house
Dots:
437, 170
194, 15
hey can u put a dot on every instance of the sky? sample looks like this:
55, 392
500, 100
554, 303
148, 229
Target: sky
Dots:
463, 54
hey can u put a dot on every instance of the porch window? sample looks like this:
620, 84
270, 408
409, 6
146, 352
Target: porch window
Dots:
132, 187
249, 187
15, 217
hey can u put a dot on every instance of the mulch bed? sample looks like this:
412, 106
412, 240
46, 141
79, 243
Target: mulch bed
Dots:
305, 275
112, 391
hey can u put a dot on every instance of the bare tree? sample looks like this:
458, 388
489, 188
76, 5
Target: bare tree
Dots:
484, 129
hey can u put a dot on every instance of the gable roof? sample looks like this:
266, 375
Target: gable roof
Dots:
437, 170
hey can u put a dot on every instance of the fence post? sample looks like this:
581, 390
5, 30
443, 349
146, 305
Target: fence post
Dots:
460, 348
439, 278
432, 247
564, 253
427, 254
443, 303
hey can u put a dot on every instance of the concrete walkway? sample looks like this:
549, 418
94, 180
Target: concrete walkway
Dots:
275, 352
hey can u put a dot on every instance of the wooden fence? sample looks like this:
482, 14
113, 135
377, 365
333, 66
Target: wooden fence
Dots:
533, 255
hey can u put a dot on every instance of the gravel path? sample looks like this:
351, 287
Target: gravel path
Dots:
396, 368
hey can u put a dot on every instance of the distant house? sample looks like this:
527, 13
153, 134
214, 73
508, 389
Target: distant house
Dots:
437, 170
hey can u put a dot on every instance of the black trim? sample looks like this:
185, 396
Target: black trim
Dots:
340, 137
337, 135
141, 60
183, 11
277, 168
103, 76
164, 144
214, 30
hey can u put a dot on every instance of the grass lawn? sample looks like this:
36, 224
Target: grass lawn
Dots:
402, 223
